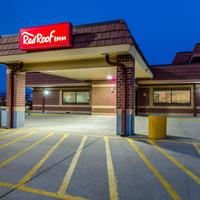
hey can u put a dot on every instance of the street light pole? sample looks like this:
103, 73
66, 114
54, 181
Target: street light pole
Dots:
43, 108
45, 93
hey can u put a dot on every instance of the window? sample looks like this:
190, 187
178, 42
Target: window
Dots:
172, 96
181, 96
162, 96
69, 97
76, 97
82, 97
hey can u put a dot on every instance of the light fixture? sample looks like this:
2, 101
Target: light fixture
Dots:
109, 77
46, 92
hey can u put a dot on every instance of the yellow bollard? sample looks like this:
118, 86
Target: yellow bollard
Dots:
157, 127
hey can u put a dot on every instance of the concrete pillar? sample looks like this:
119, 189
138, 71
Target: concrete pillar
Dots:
125, 95
15, 96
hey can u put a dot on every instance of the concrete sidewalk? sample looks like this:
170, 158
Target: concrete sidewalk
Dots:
106, 125
188, 127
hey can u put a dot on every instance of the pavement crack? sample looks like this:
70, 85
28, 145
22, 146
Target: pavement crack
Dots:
49, 168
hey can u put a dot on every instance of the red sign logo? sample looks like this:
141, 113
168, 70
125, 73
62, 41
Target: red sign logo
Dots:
46, 37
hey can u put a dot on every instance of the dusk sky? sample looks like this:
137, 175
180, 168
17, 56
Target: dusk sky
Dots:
161, 28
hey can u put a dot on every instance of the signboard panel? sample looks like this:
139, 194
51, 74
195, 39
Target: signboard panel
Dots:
46, 37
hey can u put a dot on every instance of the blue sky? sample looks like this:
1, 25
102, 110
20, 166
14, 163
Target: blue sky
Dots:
161, 28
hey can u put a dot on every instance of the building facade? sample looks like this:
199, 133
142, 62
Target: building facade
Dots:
95, 69
174, 90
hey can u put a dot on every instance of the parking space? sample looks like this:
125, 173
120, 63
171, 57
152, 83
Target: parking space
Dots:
43, 164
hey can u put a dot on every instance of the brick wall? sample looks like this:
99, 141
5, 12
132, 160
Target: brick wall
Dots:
103, 97
129, 79
53, 102
145, 104
63, 109
198, 96
37, 97
18, 90
51, 99
15, 97
197, 99
143, 96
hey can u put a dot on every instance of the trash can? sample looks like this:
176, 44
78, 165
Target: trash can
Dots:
157, 127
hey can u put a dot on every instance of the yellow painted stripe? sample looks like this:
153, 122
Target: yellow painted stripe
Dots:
111, 173
98, 136
70, 171
170, 141
13, 134
5, 131
43, 115
16, 140
197, 147
29, 175
176, 162
156, 173
40, 192
112, 135
24, 151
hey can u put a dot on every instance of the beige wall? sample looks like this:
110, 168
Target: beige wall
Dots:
103, 97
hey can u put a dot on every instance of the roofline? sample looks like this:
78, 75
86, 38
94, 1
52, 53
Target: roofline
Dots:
184, 52
137, 46
81, 25
198, 43
163, 65
9, 35
100, 23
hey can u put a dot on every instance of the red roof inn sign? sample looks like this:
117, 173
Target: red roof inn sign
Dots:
46, 37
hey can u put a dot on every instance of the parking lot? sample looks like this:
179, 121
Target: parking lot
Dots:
49, 162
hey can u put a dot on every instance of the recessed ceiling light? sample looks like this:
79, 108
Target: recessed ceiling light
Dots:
109, 77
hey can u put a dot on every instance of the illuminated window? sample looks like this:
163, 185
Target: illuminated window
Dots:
76, 97
69, 97
180, 96
172, 96
162, 96
82, 97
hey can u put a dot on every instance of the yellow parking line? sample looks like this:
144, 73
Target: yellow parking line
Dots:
156, 173
98, 136
13, 134
70, 171
24, 151
197, 148
42, 161
16, 140
5, 131
176, 162
111, 173
166, 140
43, 115
40, 192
